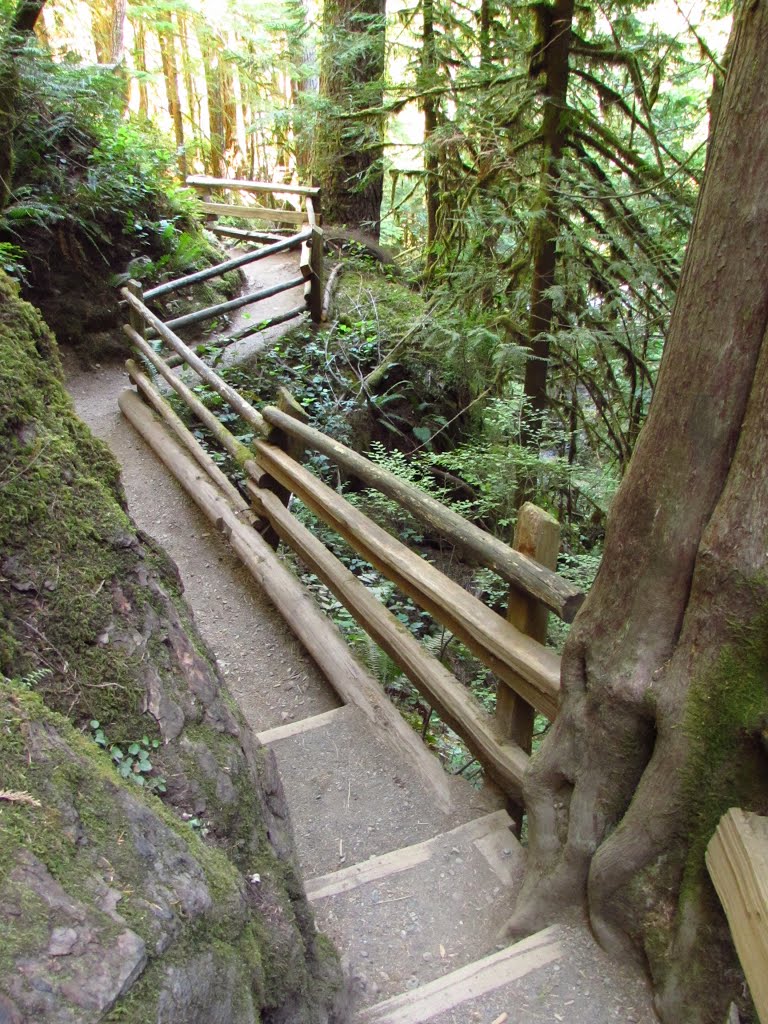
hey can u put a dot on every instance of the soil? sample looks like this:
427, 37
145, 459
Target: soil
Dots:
264, 666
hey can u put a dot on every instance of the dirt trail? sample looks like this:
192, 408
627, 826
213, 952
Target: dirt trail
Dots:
265, 667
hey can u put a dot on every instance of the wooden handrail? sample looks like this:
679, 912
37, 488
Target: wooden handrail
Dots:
227, 307
243, 185
516, 659
236, 401
546, 586
528, 666
313, 628
294, 242
253, 212
505, 761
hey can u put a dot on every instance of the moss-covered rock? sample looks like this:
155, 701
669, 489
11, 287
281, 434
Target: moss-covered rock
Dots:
111, 902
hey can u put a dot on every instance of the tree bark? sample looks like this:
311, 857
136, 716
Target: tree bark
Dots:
430, 107
664, 693
551, 57
171, 76
348, 150
140, 60
215, 164
108, 30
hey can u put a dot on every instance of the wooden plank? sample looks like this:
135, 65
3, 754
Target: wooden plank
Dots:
311, 215
537, 535
242, 235
253, 212
315, 631
241, 407
557, 594
290, 729
737, 860
470, 982
397, 861
504, 761
135, 319
518, 659
222, 268
226, 307
204, 181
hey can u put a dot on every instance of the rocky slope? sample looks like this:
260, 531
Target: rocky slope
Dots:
177, 900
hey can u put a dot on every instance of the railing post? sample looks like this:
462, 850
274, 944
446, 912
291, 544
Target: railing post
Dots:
135, 319
293, 448
316, 279
537, 535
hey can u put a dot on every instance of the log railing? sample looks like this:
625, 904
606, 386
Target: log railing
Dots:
511, 647
308, 241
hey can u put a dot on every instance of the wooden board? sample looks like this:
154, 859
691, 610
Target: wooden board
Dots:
470, 982
397, 861
254, 213
737, 860
204, 181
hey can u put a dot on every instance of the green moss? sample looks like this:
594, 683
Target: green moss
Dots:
65, 538
726, 717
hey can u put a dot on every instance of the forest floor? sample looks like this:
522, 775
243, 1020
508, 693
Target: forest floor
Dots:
409, 892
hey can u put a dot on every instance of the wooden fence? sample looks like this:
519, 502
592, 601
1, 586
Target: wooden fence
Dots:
512, 647
308, 241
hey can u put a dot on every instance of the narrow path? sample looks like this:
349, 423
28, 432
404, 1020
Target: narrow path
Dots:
412, 895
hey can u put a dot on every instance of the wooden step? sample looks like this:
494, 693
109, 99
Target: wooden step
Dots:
282, 732
469, 982
490, 834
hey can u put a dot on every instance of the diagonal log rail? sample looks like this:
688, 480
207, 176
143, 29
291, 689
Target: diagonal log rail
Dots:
316, 632
546, 586
294, 242
528, 666
227, 307
504, 760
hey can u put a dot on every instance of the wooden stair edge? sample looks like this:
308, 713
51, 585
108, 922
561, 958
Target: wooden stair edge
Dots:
469, 982
385, 864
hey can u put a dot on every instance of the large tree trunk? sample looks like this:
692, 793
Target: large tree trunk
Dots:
348, 150
664, 674
551, 58
108, 30
167, 40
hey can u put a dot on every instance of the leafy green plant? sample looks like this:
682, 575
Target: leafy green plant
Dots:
28, 681
131, 760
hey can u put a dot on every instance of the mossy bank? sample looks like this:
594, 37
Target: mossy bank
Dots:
115, 904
